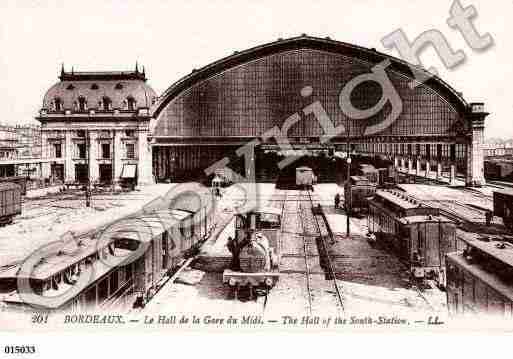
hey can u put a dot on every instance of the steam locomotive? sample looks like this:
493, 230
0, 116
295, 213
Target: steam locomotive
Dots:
255, 251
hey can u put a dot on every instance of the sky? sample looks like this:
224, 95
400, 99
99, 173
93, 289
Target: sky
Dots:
170, 38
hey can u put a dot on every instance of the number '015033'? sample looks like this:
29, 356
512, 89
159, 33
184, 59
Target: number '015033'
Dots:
19, 349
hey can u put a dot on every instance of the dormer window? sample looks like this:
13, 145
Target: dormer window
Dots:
106, 103
94, 87
82, 104
57, 104
130, 103
119, 86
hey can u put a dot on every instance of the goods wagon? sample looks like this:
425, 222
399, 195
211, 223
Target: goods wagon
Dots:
357, 191
305, 178
19, 180
370, 172
10, 202
503, 206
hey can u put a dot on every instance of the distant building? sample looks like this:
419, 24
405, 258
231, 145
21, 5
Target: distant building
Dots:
497, 149
8, 143
100, 118
28, 141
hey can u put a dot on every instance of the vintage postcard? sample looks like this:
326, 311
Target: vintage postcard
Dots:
175, 166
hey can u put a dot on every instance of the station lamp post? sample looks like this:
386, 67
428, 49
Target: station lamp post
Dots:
348, 179
88, 182
348, 183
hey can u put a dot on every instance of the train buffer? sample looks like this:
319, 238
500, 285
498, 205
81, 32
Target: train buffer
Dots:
234, 278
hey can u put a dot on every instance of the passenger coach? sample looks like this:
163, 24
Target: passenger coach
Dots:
412, 231
125, 261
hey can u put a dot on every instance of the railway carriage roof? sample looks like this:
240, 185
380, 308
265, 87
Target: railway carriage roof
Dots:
398, 199
99, 269
143, 230
504, 255
425, 219
8, 186
505, 191
489, 278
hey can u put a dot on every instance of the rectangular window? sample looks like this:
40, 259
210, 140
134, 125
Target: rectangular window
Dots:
130, 150
105, 150
58, 150
81, 147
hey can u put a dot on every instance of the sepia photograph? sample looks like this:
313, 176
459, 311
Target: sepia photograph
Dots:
255, 166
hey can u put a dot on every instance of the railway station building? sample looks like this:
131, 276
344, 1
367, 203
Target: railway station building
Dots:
296, 85
95, 125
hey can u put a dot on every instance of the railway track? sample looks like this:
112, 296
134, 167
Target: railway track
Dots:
324, 248
306, 250
304, 266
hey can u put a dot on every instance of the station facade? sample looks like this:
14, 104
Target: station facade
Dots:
295, 85
94, 125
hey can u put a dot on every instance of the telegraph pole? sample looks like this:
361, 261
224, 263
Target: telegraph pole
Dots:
348, 183
88, 163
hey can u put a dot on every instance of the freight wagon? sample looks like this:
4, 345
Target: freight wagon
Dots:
479, 278
503, 206
10, 202
370, 172
305, 178
19, 180
418, 235
357, 192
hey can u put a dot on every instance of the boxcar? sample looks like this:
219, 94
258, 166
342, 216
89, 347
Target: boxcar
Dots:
386, 176
370, 172
19, 180
356, 194
305, 178
412, 232
503, 206
10, 202
479, 279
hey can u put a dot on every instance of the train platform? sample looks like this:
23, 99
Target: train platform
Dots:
444, 179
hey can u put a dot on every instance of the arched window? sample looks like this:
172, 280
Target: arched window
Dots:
82, 104
106, 103
58, 104
130, 103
